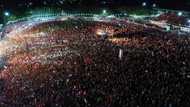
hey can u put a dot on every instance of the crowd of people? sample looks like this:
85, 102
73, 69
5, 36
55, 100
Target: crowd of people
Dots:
73, 67
173, 18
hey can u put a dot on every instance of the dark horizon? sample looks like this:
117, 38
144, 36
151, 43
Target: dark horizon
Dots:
21, 4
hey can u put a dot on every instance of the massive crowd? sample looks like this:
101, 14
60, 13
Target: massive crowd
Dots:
65, 64
172, 18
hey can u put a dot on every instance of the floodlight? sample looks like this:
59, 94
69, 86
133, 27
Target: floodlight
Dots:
188, 21
180, 14
104, 11
144, 4
6, 13
154, 5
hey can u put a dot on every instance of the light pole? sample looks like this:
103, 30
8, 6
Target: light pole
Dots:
5, 16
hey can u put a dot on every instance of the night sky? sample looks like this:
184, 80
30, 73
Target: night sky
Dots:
172, 4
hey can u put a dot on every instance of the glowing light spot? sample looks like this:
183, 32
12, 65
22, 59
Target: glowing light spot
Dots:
104, 11
180, 14
144, 4
7, 14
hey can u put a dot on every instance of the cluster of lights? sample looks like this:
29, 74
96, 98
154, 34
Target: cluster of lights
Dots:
145, 4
